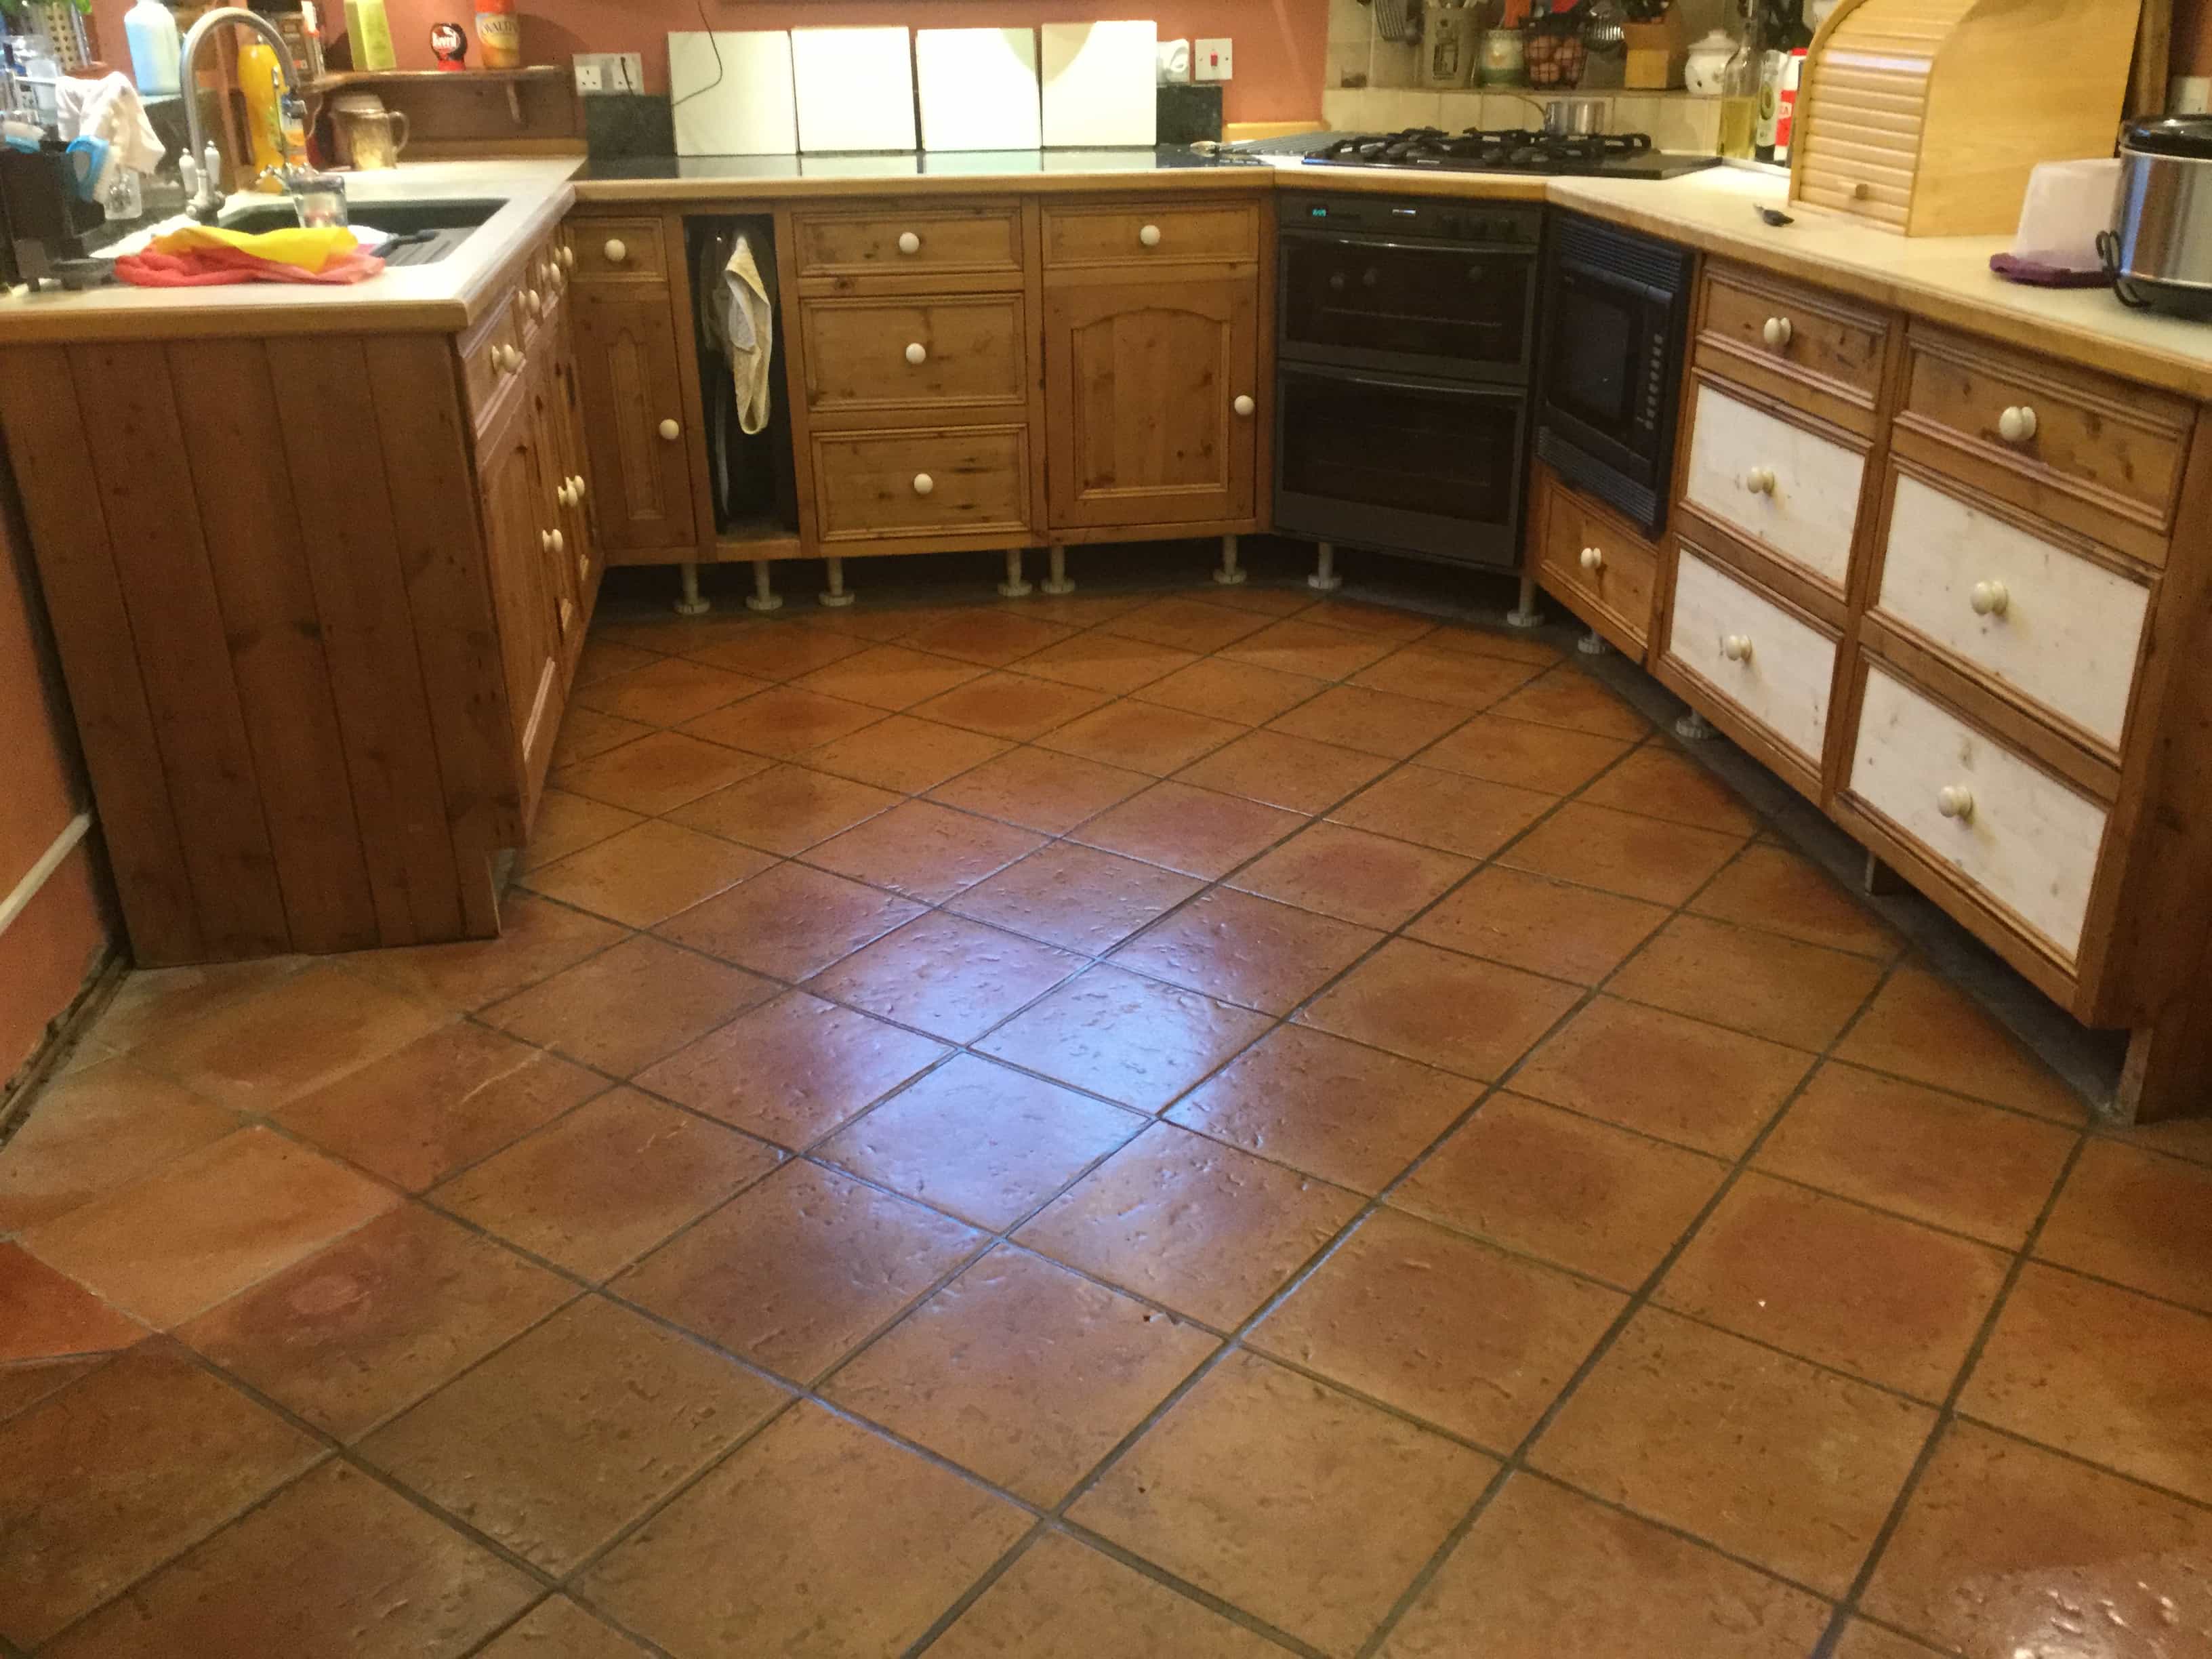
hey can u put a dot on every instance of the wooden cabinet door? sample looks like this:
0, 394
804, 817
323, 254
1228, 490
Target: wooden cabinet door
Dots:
1151, 388
580, 515
513, 476
636, 419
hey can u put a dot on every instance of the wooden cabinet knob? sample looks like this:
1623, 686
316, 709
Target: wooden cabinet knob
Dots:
576, 488
917, 354
506, 357
1149, 235
1759, 481
1736, 647
1593, 560
671, 430
561, 493
1776, 332
908, 242
923, 483
1244, 406
1991, 599
617, 251
1955, 801
556, 541
2017, 424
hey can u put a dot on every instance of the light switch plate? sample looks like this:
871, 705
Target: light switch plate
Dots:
1210, 61
610, 71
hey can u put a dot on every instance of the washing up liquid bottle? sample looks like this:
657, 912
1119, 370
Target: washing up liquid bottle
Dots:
151, 29
261, 83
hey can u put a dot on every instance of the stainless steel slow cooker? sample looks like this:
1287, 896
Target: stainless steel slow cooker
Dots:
2158, 253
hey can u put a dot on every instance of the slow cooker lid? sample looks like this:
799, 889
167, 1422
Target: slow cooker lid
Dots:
2171, 134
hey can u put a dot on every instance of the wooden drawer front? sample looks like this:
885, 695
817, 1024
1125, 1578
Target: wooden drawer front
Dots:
1782, 682
1591, 560
861, 353
1807, 506
2064, 632
492, 362
2028, 841
628, 249
1754, 324
895, 241
1151, 233
870, 483
2094, 443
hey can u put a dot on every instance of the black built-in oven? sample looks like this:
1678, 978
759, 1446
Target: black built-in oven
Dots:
1616, 312
1405, 343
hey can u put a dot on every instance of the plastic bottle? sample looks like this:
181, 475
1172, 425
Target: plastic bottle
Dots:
261, 84
151, 29
368, 31
499, 33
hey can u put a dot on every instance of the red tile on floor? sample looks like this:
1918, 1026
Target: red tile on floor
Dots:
925, 851
785, 809
1440, 809
1385, 621
1186, 624
45, 1316
1643, 857
1017, 707
1107, 662
1548, 927
96, 1129
1528, 756
585, 733
667, 692
993, 637
783, 721
656, 774
777, 651
1465, 681
1040, 790
2138, 1218
538, 938
1141, 737
1074, 897
646, 875
1239, 691
953, 978
604, 656
1663, 782
888, 677
905, 754
1298, 646
1130, 1039
1470, 1016
1197, 831
791, 922
1924, 1029
1373, 722
1353, 875
1771, 986
557, 1628
628, 1006
567, 824
1775, 889
1253, 950
1294, 773
1569, 698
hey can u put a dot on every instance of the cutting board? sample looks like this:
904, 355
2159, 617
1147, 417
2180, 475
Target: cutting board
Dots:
1100, 82
855, 87
979, 89
731, 93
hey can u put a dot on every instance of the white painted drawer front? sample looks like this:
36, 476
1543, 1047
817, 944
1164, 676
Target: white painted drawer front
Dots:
2023, 838
1782, 680
1806, 498
2059, 629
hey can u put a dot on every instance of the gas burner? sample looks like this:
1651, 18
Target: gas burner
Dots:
1627, 154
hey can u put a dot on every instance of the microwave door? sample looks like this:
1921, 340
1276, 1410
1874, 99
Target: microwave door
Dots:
1596, 379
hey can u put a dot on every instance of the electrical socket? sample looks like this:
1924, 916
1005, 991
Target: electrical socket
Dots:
1209, 60
610, 71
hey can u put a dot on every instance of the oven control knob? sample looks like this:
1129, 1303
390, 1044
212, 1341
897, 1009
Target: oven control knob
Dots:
1370, 277
2017, 424
1336, 281
1991, 599
1759, 481
1592, 559
1776, 332
1244, 405
1955, 801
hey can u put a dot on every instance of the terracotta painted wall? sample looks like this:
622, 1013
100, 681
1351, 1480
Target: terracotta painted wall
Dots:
2192, 37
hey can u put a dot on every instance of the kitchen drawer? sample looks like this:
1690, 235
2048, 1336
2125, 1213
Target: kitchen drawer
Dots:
1779, 336
619, 250
866, 355
491, 360
1144, 233
1598, 567
2095, 454
2059, 629
1777, 668
2000, 824
1781, 486
888, 240
966, 480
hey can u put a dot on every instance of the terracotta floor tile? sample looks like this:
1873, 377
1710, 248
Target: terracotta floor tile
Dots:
444, 1101
1285, 771
1643, 857
646, 875
817, 1538
23, 1386
1017, 707
561, 1439
1265, 601
1353, 875
1387, 622
1253, 950
630, 1006
1022, 1372
1198, 831
1581, 1194
1546, 1572
2008, 1548
556, 1628
1677, 1078
906, 754
45, 1316
1353, 1115
118, 1472
1242, 1479
201, 1228
585, 733
1463, 679
1548, 927
152, 1004
1526, 755
1041, 790
783, 721
1299, 646
660, 635
668, 692
1659, 781
888, 677
1832, 1282
1935, 1157
1762, 983
1240, 691
657, 774
1061, 1601
298, 1033
1924, 1029
888, 623
1141, 737
953, 978
2103, 1373
1569, 698
1773, 888
792, 1069
1132, 1040
603, 656
778, 652
1789, 1466
1201, 1228
785, 809
1461, 815
1074, 897
2138, 1218
801, 1270
364, 1329
1862, 1640
567, 824
538, 938
791, 922
1455, 1333
96, 1130
993, 637
1373, 722
979, 1141
925, 851
1467, 1016
1107, 662
1186, 624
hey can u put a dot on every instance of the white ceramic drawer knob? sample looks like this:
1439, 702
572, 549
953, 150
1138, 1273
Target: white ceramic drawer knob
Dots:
923, 483
561, 495
1776, 332
576, 487
1736, 647
533, 302
917, 354
617, 251
2017, 424
506, 357
1991, 599
1759, 481
1592, 559
1955, 801
1244, 406
671, 430
556, 541
908, 242
583, 567
545, 540
1149, 235
568, 258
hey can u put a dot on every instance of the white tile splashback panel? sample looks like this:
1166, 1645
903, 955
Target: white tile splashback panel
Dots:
1101, 84
855, 88
732, 92
980, 88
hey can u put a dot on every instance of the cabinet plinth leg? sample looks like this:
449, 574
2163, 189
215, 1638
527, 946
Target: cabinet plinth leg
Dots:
1014, 588
1057, 582
1693, 728
1878, 880
1525, 614
763, 597
835, 597
1230, 574
1324, 577
1592, 644
691, 605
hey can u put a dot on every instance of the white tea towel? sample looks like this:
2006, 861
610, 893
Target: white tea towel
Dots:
108, 108
748, 326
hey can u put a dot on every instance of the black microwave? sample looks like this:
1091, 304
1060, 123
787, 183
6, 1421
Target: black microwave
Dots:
1616, 314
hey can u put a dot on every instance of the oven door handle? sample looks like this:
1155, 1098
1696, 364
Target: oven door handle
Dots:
1510, 394
1383, 244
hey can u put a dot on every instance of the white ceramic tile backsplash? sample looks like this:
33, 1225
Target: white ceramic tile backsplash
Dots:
1675, 120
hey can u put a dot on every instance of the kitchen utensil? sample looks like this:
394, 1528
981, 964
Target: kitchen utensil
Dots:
2068, 203
1504, 59
1397, 21
1574, 116
2160, 250
1449, 53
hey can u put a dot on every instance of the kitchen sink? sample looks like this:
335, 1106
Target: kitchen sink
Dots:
441, 226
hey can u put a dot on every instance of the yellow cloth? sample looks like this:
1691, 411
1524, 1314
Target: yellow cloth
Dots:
310, 250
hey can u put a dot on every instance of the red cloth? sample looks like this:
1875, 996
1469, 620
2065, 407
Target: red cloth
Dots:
213, 267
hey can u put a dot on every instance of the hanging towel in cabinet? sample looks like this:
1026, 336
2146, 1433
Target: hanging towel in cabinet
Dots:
748, 333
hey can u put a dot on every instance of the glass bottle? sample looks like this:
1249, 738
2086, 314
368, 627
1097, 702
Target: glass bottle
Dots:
1739, 91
